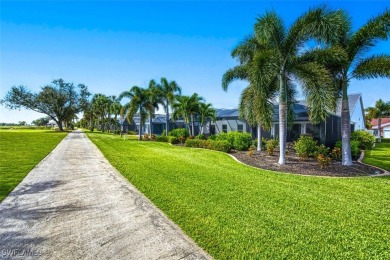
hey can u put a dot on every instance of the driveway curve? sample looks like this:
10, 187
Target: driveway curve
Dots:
75, 205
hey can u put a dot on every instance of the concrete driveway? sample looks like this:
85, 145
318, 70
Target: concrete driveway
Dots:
75, 205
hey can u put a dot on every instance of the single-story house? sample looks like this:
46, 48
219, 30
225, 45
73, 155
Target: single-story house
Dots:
327, 132
385, 127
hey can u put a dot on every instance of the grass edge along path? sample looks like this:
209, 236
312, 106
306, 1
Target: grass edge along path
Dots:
235, 211
379, 156
20, 152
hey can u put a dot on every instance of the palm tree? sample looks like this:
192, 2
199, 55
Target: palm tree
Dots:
278, 58
381, 109
186, 107
206, 112
353, 47
169, 91
156, 98
116, 108
100, 104
139, 103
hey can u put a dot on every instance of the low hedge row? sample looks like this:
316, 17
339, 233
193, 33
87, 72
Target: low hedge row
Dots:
222, 145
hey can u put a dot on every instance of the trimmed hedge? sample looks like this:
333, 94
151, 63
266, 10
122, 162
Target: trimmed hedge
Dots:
222, 145
365, 139
173, 140
162, 138
385, 140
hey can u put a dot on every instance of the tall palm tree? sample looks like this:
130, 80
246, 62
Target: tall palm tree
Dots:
116, 108
278, 58
139, 103
206, 112
170, 90
354, 47
156, 98
381, 109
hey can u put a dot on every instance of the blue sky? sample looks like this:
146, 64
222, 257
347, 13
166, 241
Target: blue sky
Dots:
113, 45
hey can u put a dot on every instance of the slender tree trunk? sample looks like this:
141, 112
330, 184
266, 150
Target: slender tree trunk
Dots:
345, 129
150, 125
102, 123
167, 118
282, 119
140, 131
192, 124
379, 129
91, 122
259, 137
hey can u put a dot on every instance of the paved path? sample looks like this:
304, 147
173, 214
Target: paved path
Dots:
75, 205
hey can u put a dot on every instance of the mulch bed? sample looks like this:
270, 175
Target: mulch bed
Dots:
305, 167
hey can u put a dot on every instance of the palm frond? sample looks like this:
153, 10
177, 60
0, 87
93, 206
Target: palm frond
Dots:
373, 67
270, 30
377, 28
237, 73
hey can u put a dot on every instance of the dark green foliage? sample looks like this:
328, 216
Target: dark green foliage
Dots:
238, 140
306, 147
221, 145
173, 140
201, 136
385, 140
179, 132
212, 137
162, 138
131, 133
323, 150
366, 140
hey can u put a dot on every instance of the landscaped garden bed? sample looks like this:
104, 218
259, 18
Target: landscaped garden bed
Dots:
308, 166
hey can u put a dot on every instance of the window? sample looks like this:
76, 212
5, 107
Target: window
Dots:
224, 128
240, 128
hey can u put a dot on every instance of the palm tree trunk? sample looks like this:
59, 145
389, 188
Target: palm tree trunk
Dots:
167, 119
345, 129
282, 120
379, 129
192, 124
150, 125
259, 137
140, 131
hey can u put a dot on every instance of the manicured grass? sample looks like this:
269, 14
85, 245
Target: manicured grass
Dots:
237, 212
20, 151
379, 156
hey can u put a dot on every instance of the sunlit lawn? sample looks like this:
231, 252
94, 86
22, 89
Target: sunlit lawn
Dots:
20, 151
379, 156
237, 212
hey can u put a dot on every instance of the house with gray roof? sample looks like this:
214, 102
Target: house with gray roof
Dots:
327, 132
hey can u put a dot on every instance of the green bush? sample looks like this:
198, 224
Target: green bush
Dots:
385, 140
173, 140
201, 136
212, 137
222, 145
162, 138
355, 150
238, 140
263, 142
306, 147
179, 132
131, 133
366, 140
322, 150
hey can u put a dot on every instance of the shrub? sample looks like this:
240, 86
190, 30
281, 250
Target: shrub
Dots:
306, 147
355, 151
182, 139
145, 137
323, 150
271, 145
153, 137
164, 132
336, 153
323, 160
212, 137
238, 140
162, 138
179, 132
385, 140
251, 150
201, 136
131, 133
366, 140
222, 145
173, 140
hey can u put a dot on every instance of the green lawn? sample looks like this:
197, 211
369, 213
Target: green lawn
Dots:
234, 211
379, 156
20, 151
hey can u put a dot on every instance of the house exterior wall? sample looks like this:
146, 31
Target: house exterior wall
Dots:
232, 124
357, 116
386, 132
